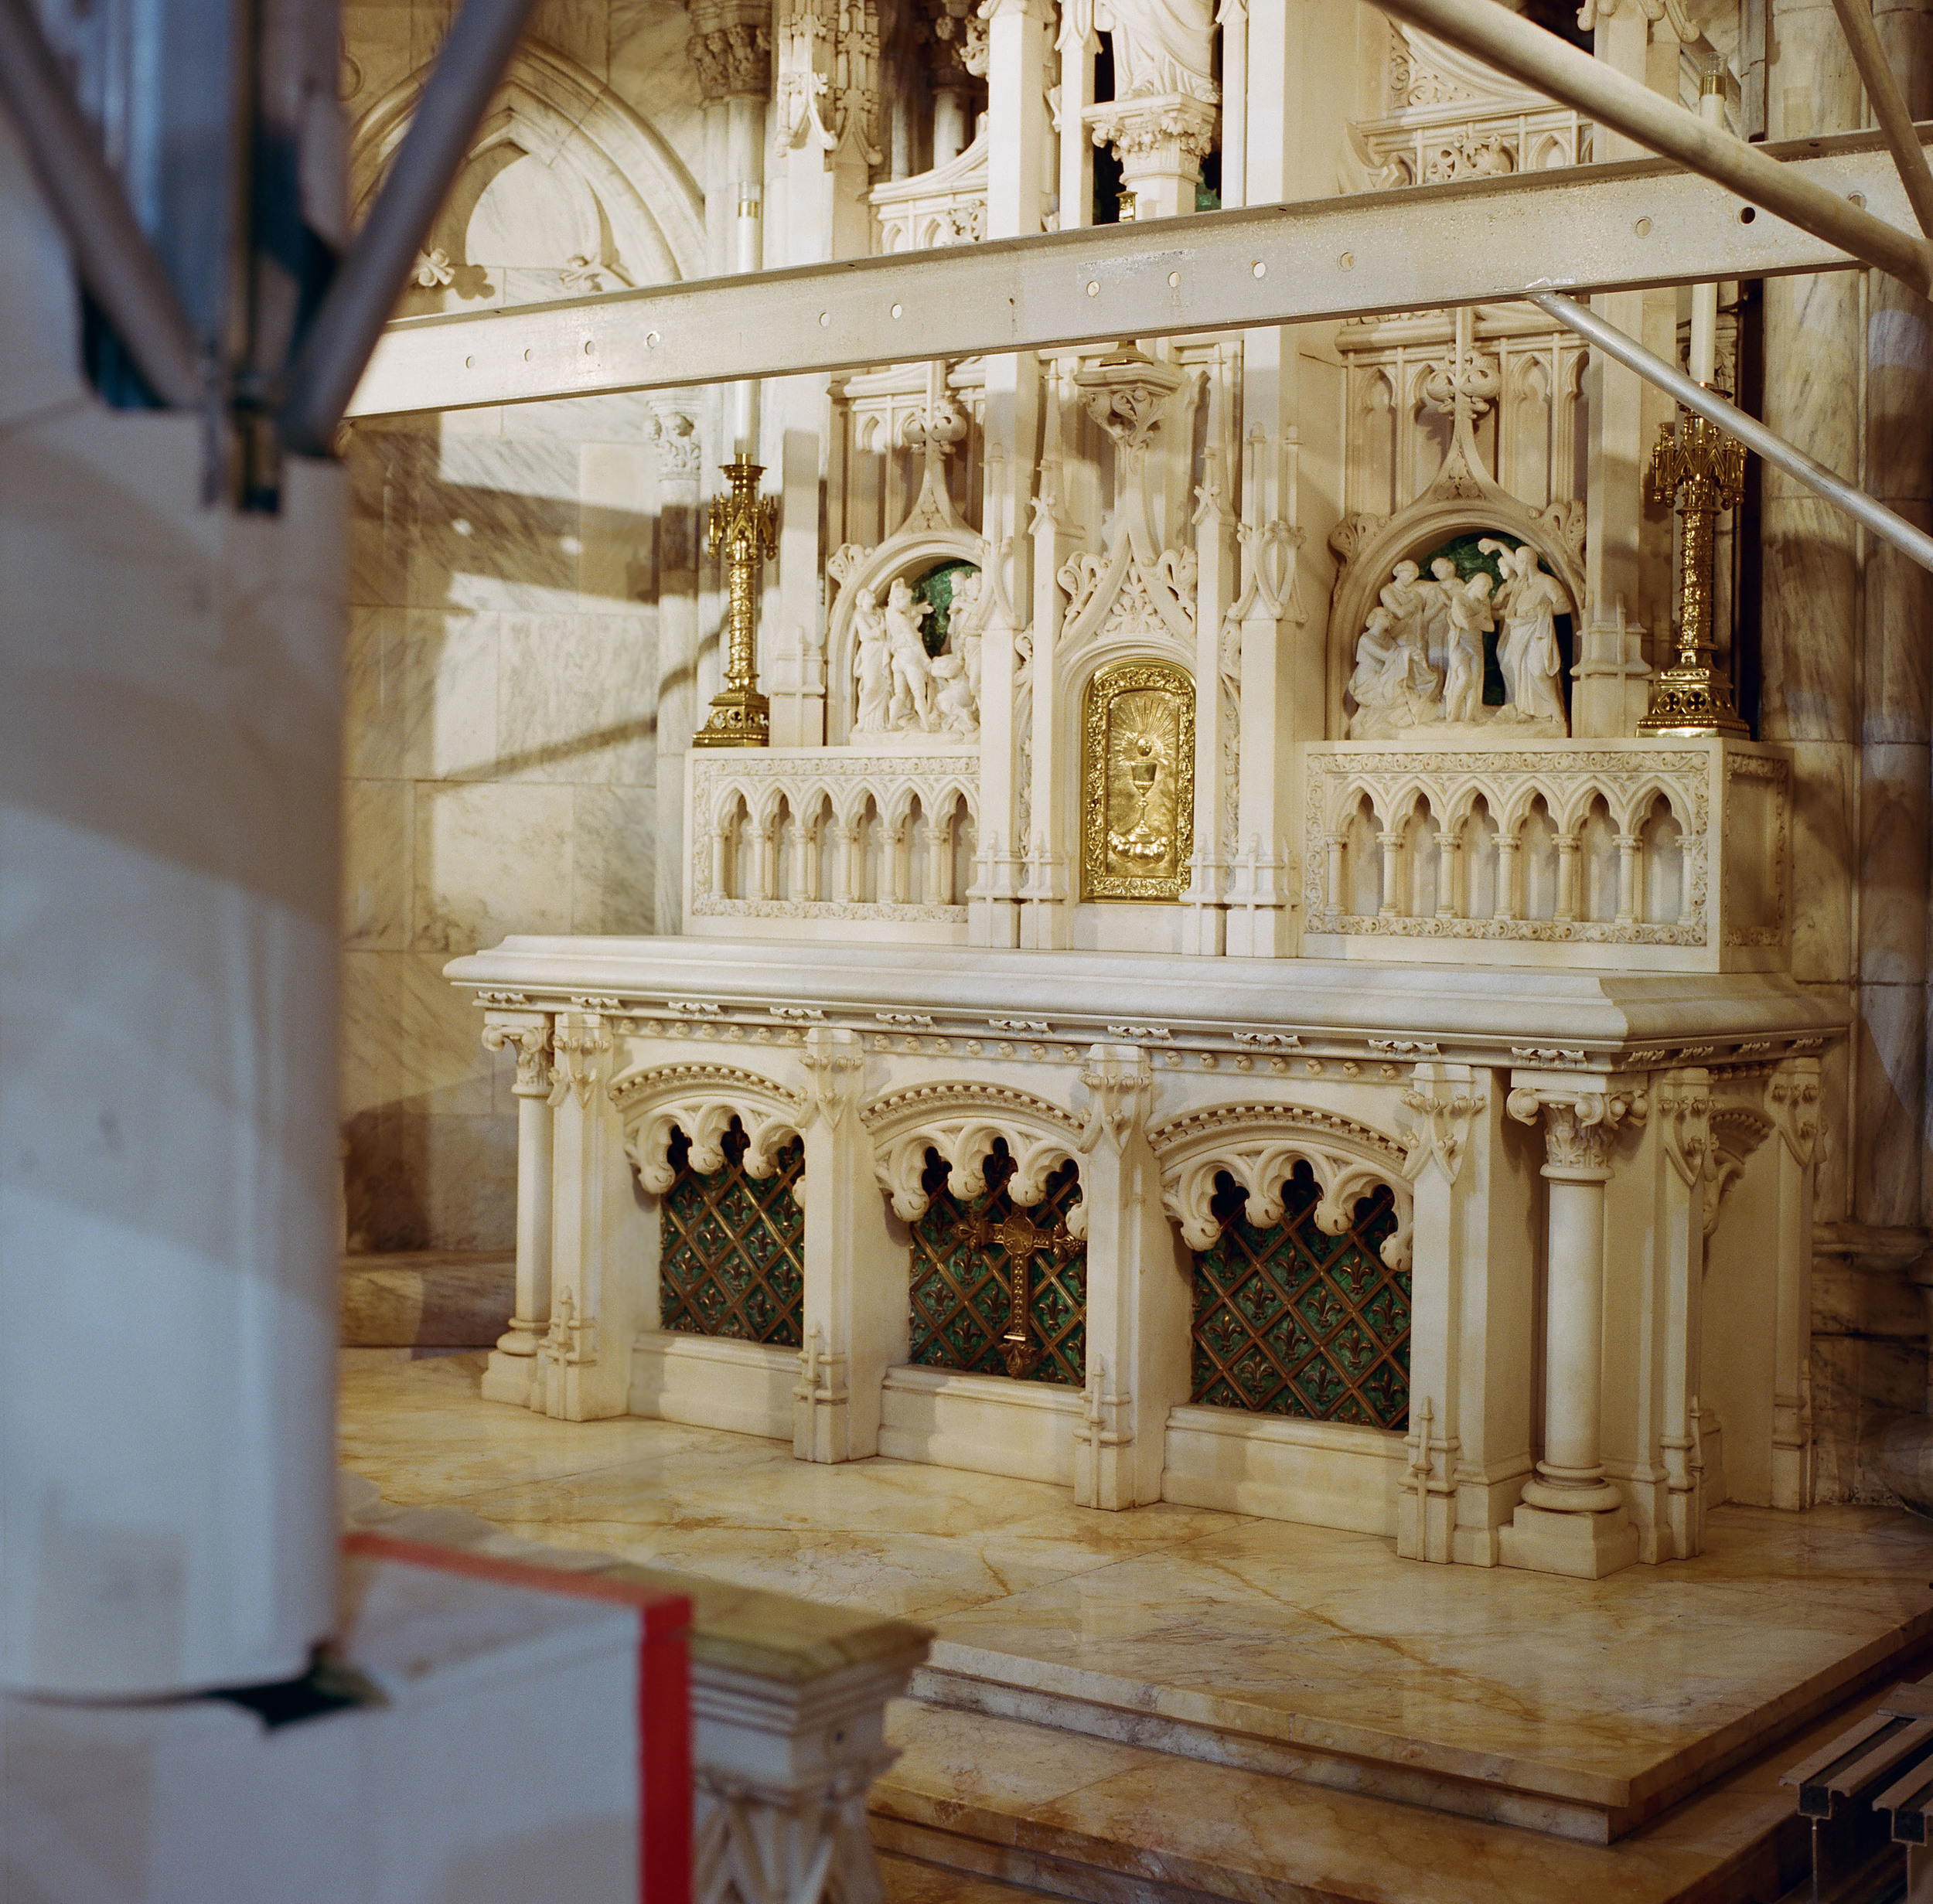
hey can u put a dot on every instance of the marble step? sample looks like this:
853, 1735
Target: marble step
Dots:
996, 1798
427, 1299
1504, 1697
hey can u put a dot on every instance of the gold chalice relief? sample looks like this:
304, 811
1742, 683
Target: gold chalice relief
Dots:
1139, 745
1142, 842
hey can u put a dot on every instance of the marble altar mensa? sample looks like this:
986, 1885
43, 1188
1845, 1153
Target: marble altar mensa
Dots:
1626, 1153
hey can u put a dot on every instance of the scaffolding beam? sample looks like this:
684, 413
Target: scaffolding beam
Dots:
1527, 52
1589, 228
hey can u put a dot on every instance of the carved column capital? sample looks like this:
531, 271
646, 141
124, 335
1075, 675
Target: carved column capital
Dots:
1683, 1101
731, 48
674, 431
579, 1042
1442, 1103
834, 1062
1792, 1101
1121, 1086
531, 1037
1580, 1126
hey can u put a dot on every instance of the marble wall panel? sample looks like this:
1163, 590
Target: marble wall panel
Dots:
490, 859
429, 27
389, 460
1857, 1385
1811, 623
422, 694
613, 856
414, 1181
1899, 616
1892, 864
373, 706
616, 416
376, 52
1823, 859
577, 698
649, 70
617, 499
1889, 1159
496, 525
409, 1041
377, 847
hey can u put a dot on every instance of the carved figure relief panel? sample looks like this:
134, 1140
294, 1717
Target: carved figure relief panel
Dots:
1137, 781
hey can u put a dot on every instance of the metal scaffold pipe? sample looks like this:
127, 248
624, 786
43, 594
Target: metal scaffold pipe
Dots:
1889, 106
364, 292
1913, 542
116, 262
1515, 45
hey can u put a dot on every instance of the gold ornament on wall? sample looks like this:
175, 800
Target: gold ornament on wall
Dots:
1137, 781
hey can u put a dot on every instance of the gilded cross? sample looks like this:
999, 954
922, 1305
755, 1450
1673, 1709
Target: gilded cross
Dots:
1023, 1240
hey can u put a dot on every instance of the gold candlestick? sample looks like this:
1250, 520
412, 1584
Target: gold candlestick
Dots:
1704, 469
745, 525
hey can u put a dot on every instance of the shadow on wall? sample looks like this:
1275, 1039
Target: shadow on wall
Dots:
501, 770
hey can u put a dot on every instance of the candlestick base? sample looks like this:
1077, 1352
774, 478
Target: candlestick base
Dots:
1693, 703
741, 717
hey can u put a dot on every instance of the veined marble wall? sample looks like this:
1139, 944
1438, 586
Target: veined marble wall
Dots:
503, 652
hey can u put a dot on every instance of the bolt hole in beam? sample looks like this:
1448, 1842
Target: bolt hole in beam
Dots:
1334, 257
1517, 46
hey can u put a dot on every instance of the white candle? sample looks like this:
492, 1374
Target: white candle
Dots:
1704, 311
745, 250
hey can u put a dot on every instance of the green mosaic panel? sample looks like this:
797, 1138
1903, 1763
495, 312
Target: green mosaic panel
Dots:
731, 1262
959, 1287
1288, 1321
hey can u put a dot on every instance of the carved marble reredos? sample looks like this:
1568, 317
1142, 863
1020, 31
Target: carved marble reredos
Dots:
1260, 1144
1630, 776
961, 1122
701, 1100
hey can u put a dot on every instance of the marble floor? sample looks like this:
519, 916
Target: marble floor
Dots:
1206, 1635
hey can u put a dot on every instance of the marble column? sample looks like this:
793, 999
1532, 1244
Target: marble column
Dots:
677, 420
583, 1369
1471, 1364
171, 686
513, 1361
856, 1314
1137, 1291
1572, 1519
1810, 627
1890, 1186
1017, 45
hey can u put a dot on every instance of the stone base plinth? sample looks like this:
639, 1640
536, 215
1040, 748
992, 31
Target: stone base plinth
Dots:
1586, 1546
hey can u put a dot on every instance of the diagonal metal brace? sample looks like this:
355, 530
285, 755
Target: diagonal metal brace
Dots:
1913, 542
119, 267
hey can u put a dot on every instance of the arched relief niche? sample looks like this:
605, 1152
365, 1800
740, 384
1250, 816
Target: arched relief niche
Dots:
620, 188
1369, 550
909, 555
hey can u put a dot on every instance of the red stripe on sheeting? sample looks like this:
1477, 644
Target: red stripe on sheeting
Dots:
664, 1692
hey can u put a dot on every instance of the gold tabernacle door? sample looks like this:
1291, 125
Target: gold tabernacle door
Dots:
1137, 781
